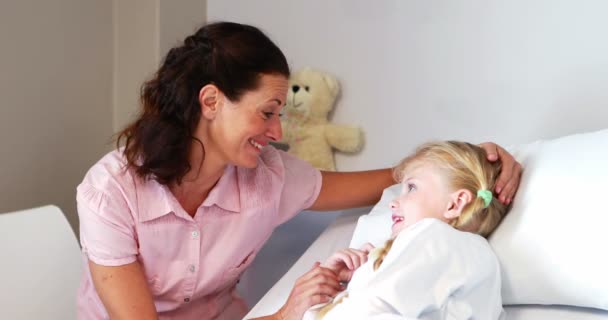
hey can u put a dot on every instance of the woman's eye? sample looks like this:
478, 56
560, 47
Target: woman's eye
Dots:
268, 115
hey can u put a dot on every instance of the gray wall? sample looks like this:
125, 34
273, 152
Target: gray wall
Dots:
70, 73
144, 31
56, 106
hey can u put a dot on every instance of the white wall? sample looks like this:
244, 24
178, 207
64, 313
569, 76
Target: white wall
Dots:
55, 106
508, 71
476, 70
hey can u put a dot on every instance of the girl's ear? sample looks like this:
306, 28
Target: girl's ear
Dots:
458, 200
209, 97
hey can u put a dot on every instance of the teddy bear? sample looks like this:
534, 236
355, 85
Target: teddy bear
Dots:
306, 128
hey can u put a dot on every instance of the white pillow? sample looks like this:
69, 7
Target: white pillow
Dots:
552, 245
375, 227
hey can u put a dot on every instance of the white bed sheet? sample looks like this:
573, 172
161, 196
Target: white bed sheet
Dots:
338, 236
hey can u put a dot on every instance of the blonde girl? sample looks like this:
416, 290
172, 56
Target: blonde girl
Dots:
437, 263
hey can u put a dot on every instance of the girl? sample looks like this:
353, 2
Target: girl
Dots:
437, 263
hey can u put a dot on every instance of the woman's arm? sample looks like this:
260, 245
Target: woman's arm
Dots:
123, 291
344, 190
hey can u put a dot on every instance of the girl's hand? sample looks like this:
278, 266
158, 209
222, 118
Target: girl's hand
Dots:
346, 261
319, 285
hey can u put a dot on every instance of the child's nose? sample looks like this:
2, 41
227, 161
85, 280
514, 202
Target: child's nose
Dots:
393, 205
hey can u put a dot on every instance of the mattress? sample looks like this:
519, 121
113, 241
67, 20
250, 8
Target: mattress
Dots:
338, 235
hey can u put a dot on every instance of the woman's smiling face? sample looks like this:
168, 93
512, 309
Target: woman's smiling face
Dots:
242, 128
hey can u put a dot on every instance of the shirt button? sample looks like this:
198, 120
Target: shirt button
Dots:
194, 234
187, 300
192, 268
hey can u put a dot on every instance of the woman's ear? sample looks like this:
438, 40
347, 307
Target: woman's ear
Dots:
458, 200
209, 97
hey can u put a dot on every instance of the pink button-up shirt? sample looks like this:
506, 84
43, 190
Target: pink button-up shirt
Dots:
192, 264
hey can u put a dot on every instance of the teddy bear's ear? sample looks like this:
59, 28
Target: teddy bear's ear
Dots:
332, 84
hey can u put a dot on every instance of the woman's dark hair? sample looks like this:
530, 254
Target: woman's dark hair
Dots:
229, 55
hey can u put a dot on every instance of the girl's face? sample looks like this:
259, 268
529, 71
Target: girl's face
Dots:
241, 129
424, 194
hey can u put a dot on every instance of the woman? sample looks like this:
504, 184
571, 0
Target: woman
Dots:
170, 221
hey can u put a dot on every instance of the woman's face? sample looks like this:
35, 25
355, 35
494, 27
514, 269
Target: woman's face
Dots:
242, 128
424, 194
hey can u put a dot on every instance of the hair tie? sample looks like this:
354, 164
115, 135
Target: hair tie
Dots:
486, 195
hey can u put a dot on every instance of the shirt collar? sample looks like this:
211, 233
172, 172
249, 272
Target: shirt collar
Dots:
156, 200
226, 193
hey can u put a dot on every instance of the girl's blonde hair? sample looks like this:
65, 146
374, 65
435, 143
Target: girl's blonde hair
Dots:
463, 166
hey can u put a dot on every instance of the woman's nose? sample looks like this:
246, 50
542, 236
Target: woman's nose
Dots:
275, 131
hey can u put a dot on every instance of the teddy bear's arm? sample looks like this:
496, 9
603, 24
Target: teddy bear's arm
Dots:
344, 138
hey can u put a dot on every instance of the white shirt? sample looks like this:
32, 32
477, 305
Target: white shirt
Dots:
432, 272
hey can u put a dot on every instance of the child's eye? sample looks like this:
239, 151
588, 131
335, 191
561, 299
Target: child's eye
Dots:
411, 187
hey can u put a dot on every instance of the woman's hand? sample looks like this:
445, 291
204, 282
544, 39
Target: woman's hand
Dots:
319, 285
346, 261
508, 180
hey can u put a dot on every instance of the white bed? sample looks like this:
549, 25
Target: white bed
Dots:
562, 279
338, 235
